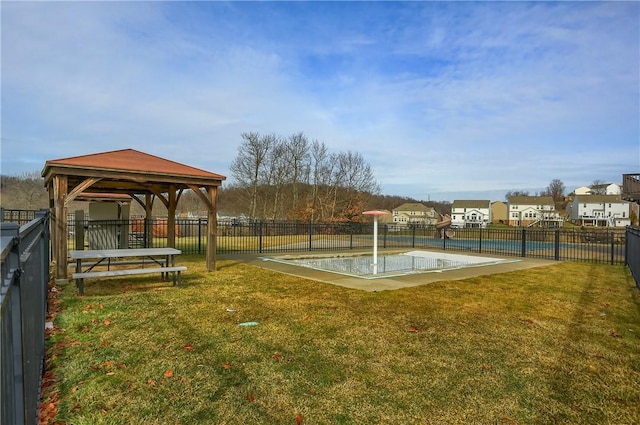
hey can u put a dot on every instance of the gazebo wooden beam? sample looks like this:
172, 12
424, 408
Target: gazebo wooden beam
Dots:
79, 189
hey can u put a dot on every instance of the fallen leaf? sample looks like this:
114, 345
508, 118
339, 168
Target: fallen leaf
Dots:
614, 333
105, 343
188, 347
121, 365
299, 419
226, 366
278, 357
307, 317
151, 382
74, 390
107, 364
107, 322
413, 329
168, 373
100, 306
110, 373
486, 367
250, 398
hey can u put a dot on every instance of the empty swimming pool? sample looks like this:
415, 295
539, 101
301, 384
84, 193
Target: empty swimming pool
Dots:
390, 264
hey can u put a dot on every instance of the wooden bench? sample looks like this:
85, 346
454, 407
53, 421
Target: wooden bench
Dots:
129, 272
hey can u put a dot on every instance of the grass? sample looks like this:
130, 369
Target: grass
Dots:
557, 344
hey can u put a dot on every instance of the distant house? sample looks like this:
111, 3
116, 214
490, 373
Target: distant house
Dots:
414, 213
533, 211
499, 212
470, 213
599, 189
582, 190
605, 189
600, 210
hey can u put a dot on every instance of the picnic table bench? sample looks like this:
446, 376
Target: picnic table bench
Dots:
161, 260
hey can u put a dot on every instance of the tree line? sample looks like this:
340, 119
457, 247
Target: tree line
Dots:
295, 178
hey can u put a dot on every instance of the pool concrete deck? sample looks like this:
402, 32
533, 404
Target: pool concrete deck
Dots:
382, 283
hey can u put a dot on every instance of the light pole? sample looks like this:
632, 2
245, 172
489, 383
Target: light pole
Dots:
375, 214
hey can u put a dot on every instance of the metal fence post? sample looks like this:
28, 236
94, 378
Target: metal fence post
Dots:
556, 255
413, 236
310, 233
523, 248
480, 241
260, 237
384, 236
350, 236
626, 245
612, 246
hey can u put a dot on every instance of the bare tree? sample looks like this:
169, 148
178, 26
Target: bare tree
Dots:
277, 163
247, 167
321, 174
511, 193
297, 153
555, 190
26, 192
294, 178
598, 187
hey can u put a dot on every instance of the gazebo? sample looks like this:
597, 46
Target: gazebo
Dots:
126, 172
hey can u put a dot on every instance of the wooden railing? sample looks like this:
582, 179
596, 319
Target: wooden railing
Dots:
631, 187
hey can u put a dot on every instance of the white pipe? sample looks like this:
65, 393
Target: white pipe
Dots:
375, 244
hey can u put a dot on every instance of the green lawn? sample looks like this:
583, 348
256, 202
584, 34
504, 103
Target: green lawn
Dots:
558, 344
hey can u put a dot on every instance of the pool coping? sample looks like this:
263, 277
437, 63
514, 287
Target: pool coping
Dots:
383, 283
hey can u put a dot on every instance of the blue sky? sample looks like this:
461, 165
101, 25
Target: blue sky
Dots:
445, 100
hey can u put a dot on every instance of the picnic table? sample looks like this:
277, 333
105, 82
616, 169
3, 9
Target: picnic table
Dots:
160, 260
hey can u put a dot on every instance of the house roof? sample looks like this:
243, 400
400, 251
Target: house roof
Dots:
589, 199
465, 203
129, 160
128, 171
412, 206
531, 200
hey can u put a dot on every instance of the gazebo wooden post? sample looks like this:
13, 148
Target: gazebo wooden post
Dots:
212, 228
59, 225
171, 219
148, 232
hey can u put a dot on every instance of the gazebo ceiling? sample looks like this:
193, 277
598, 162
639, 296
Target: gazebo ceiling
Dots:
128, 171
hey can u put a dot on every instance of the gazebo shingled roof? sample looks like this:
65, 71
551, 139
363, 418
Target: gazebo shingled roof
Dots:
129, 172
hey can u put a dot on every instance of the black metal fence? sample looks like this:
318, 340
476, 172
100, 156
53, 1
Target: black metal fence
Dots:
600, 245
20, 217
23, 298
632, 254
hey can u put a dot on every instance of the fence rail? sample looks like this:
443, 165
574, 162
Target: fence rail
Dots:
21, 217
23, 299
594, 244
632, 254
